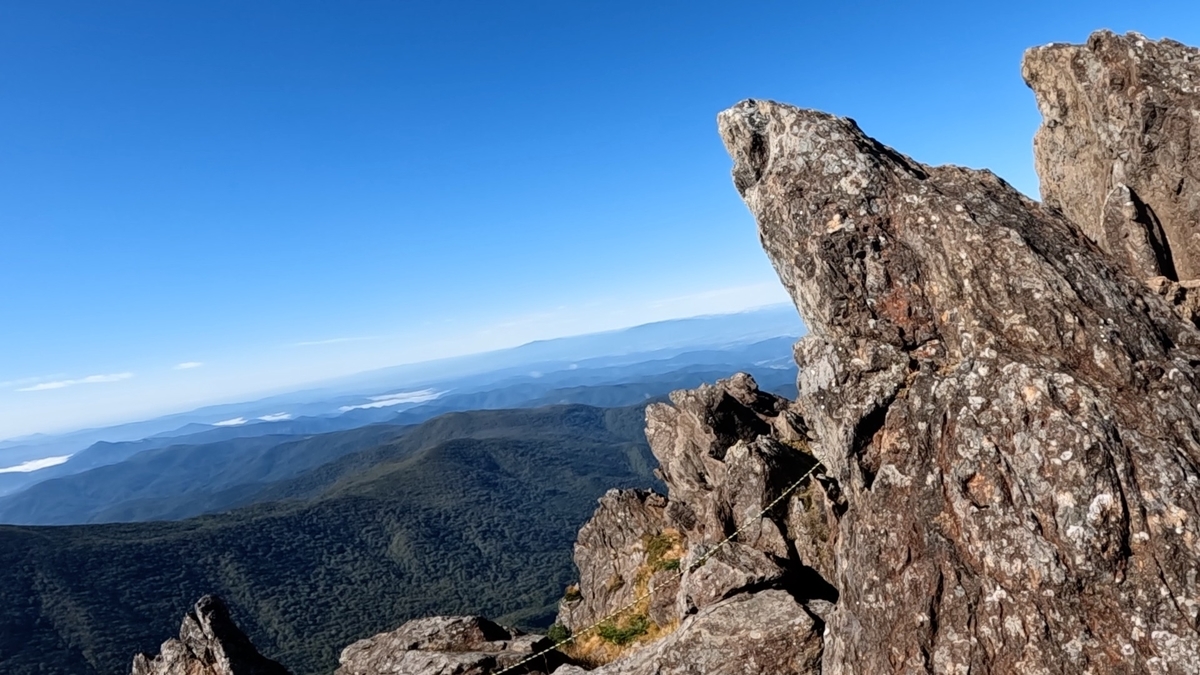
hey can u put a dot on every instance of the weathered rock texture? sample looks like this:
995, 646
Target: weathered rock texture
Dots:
441, 645
726, 452
1003, 398
614, 560
1001, 394
1119, 146
1006, 414
209, 644
1010, 418
764, 632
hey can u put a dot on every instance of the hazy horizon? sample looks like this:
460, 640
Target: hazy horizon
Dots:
250, 396
202, 201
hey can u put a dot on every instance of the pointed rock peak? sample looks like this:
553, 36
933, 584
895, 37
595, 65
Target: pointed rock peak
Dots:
1118, 146
1006, 412
209, 643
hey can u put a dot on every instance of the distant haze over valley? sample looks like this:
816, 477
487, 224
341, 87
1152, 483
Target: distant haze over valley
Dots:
476, 470
769, 321
611, 368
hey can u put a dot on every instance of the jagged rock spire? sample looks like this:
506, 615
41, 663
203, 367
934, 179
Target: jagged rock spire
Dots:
1010, 417
209, 643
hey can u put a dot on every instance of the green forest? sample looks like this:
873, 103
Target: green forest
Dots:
468, 513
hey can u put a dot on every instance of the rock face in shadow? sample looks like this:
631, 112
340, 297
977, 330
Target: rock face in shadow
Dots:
1009, 417
1119, 146
209, 643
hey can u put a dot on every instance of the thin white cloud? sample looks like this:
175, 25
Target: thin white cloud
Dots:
90, 379
188, 365
20, 382
389, 400
237, 421
35, 464
276, 417
333, 341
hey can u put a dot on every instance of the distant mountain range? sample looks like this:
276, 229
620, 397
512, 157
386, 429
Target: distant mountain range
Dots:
216, 469
334, 513
603, 369
658, 340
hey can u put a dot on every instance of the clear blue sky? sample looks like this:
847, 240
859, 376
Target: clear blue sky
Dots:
228, 183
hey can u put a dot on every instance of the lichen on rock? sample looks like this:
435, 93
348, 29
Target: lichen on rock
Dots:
1002, 394
1009, 416
448, 645
1121, 131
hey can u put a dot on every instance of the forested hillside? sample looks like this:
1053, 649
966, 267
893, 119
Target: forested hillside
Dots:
470, 512
218, 469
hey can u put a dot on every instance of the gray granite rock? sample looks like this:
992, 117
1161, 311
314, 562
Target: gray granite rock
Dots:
764, 633
1010, 418
446, 645
209, 643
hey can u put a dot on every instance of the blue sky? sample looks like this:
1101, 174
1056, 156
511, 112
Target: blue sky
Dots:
286, 191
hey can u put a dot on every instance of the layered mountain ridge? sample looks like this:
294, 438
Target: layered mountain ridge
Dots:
1001, 400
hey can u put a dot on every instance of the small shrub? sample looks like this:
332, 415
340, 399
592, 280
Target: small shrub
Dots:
669, 565
657, 546
558, 632
635, 627
662, 551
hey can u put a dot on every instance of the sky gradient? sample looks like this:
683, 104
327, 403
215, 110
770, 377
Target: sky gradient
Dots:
203, 201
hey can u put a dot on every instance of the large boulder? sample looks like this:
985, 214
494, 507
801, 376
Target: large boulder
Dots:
1009, 418
620, 558
764, 633
448, 645
731, 456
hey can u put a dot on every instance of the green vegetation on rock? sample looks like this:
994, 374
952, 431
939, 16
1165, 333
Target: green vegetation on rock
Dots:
625, 632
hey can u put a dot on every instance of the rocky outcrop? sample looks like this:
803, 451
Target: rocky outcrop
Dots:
994, 460
1119, 147
623, 551
1010, 418
1001, 395
766, 632
441, 645
209, 643
726, 452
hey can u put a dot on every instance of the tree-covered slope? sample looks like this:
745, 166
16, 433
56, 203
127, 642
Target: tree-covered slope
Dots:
221, 469
476, 512
184, 480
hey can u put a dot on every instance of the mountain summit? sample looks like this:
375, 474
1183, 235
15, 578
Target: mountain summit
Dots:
992, 462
